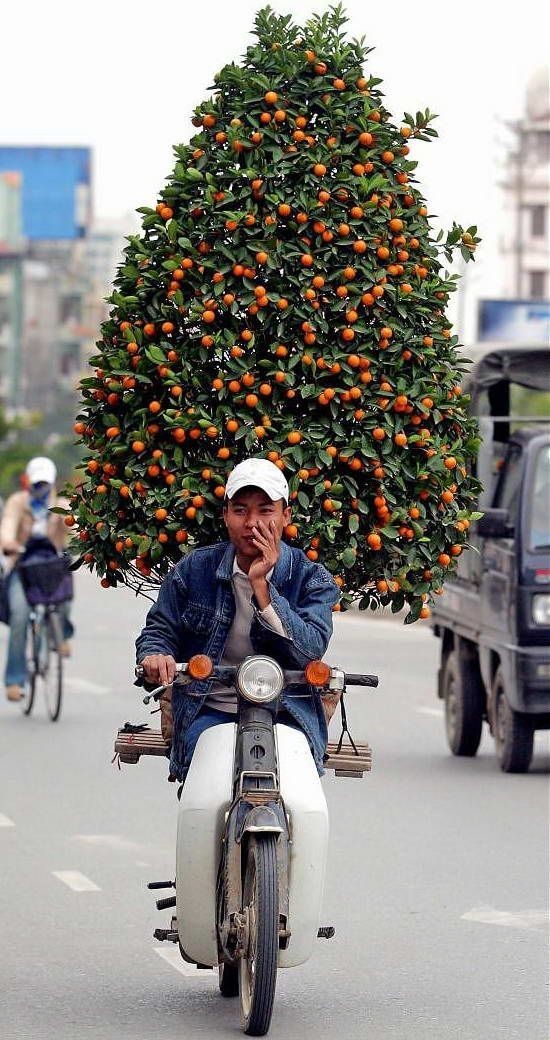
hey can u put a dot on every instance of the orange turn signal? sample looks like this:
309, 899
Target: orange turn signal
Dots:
200, 666
317, 673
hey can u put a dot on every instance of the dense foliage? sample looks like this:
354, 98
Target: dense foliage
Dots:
285, 299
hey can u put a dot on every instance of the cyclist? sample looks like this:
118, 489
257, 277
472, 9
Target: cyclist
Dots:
253, 594
27, 515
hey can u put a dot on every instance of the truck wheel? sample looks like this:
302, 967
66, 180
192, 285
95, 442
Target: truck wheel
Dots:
463, 708
513, 732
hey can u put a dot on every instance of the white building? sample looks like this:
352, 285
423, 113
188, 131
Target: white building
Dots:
526, 186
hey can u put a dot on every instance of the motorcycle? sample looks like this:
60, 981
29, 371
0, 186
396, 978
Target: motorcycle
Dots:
252, 833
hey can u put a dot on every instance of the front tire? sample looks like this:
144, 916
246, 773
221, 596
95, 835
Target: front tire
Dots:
258, 967
514, 733
463, 707
53, 676
32, 657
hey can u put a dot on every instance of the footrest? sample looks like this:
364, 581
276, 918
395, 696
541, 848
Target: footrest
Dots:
346, 762
131, 746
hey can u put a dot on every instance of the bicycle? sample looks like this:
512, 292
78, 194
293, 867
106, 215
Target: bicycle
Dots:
47, 582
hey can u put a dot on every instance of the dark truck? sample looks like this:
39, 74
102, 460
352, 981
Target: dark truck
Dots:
493, 618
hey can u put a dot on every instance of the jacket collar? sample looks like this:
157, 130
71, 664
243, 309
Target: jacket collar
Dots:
281, 572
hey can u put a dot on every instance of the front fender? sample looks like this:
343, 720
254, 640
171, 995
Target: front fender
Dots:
262, 819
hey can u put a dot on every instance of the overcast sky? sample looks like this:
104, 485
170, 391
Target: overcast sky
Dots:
124, 75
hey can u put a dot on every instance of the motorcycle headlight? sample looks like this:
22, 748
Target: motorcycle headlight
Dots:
260, 679
541, 609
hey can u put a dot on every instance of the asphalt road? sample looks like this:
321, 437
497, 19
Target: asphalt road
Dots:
437, 880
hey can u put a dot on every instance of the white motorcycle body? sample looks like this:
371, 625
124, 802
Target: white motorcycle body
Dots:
205, 799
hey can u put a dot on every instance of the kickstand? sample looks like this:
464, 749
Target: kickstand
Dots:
345, 730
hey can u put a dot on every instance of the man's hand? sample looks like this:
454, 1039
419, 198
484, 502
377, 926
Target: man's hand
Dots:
159, 669
10, 548
267, 540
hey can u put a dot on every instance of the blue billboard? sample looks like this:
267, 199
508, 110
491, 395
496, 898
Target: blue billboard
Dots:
55, 189
514, 321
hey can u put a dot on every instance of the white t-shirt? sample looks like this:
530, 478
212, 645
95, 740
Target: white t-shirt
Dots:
238, 644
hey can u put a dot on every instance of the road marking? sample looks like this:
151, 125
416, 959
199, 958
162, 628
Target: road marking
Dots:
528, 920
436, 712
75, 880
173, 957
78, 685
5, 821
109, 841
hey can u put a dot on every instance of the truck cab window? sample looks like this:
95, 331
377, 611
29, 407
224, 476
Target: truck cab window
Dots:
539, 514
508, 486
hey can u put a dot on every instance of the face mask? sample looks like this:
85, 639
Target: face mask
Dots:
40, 492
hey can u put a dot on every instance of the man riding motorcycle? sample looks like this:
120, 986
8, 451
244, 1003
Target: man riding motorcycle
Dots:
252, 594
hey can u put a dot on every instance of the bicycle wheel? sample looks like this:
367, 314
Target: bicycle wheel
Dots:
51, 671
258, 965
31, 657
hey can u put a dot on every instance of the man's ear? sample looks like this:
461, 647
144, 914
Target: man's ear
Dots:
287, 513
224, 515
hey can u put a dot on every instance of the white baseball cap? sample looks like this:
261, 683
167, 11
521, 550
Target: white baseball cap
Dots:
260, 473
41, 469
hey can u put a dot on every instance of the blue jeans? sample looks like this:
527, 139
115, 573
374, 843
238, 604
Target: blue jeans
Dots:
208, 717
211, 717
16, 665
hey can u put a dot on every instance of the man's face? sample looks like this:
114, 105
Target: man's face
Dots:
245, 511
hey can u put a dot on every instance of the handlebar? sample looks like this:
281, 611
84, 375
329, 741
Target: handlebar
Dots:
226, 673
356, 679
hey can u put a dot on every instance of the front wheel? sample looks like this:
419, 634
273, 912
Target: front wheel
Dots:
514, 733
463, 707
53, 666
258, 965
32, 657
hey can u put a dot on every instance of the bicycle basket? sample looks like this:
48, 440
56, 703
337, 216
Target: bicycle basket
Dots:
46, 579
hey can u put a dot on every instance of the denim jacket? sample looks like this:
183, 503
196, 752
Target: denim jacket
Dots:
194, 612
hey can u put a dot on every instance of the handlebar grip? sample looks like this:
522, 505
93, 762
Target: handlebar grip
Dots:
356, 679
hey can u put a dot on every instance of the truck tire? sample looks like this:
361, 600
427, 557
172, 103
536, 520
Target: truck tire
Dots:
513, 733
463, 707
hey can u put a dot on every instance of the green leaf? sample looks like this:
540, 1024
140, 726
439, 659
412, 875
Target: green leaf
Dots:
348, 557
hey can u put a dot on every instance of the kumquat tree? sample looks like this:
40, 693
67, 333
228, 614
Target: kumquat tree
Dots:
286, 299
